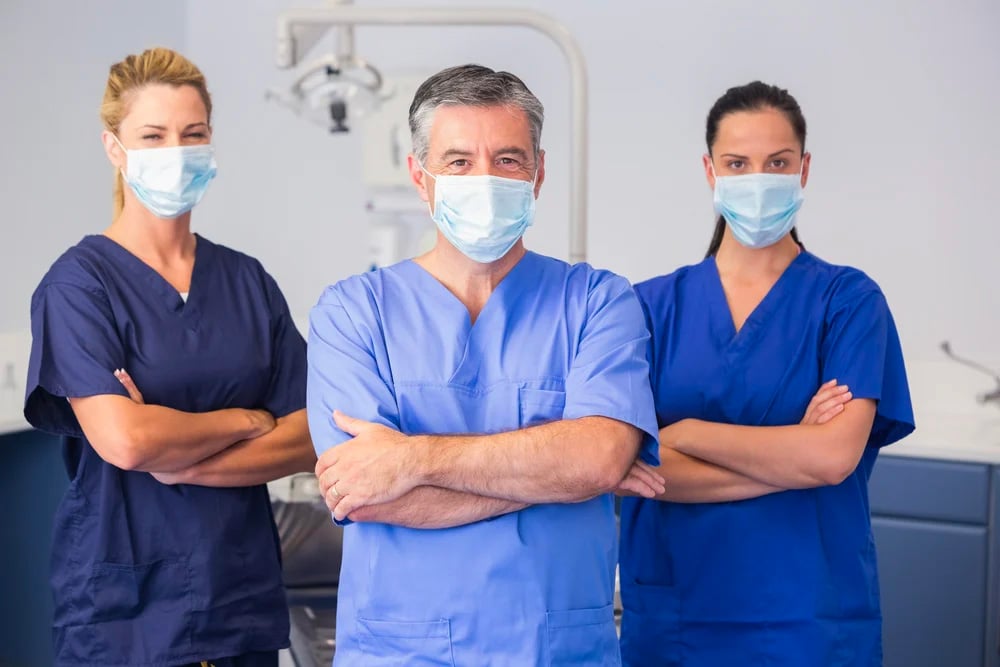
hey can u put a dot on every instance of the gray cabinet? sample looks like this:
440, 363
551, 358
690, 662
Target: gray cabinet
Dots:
937, 553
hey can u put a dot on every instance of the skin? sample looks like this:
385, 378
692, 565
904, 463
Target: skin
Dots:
232, 447
424, 481
709, 462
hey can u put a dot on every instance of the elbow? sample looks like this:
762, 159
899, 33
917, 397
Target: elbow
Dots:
835, 470
611, 464
124, 449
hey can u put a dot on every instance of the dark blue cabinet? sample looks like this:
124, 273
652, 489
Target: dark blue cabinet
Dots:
936, 535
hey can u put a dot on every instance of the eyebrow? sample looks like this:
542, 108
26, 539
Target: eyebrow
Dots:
164, 129
744, 157
513, 150
506, 150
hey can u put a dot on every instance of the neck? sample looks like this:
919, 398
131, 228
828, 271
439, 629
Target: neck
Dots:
470, 281
736, 259
145, 235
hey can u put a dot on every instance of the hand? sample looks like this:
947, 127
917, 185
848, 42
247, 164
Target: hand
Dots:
643, 480
126, 381
828, 402
374, 467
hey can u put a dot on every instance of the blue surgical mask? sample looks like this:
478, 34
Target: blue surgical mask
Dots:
169, 181
482, 216
759, 208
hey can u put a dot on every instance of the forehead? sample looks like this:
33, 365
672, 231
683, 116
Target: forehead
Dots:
743, 132
161, 104
473, 127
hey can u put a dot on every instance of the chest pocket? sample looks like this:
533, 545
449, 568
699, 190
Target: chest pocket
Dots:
539, 406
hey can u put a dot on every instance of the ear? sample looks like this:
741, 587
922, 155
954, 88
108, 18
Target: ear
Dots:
540, 172
116, 156
419, 179
806, 161
706, 161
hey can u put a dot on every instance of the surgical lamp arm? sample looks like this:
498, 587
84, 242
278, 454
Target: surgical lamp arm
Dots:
349, 15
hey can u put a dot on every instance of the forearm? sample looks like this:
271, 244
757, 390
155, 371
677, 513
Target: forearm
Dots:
143, 437
434, 507
563, 461
692, 480
789, 457
284, 451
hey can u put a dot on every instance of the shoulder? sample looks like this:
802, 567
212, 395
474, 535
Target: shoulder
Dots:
841, 285
580, 278
80, 267
663, 289
232, 259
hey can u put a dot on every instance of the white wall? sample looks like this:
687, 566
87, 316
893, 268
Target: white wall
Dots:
54, 178
901, 100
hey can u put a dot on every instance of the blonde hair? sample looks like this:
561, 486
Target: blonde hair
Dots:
152, 66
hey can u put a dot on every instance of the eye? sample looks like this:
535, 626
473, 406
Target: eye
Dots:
151, 137
196, 135
735, 165
459, 163
779, 164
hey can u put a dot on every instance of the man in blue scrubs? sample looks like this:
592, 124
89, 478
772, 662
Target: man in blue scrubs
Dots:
472, 409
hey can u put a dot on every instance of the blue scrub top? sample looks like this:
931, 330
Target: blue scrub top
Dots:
533, 587
784, 579
144, 573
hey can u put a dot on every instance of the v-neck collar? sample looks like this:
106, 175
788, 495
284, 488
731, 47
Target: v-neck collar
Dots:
499, 296
722, 323
473, 338
143, 271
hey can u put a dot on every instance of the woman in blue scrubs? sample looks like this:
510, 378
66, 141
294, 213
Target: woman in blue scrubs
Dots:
165, 551
777, 378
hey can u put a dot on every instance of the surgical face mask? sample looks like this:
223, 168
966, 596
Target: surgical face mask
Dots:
169, 181
482, 216
759, 208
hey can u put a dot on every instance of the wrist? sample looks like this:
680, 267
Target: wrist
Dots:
421, 460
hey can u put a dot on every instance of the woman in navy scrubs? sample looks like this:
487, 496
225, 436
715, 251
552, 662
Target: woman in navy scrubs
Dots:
165, 550
777, 378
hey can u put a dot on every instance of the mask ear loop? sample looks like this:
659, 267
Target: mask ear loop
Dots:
430, 207
121, 170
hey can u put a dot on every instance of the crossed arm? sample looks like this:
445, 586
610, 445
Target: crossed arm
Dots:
232, 447
381, 475
711, 462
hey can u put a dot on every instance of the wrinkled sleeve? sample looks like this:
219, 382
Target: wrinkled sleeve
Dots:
344, 372
287, 389
609, 376
75, 349
861, 349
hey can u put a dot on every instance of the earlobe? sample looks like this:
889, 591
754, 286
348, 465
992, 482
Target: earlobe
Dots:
706, 161
539, 173
116, 156
417, 176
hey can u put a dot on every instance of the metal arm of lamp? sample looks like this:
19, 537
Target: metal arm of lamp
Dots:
308, 21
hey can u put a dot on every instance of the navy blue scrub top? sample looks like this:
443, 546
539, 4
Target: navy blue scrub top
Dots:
787, 579
145, 573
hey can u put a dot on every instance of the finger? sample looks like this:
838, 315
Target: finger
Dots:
325, 461
636, 486
647, 475
347, 505
126, 381
347, 424
828, 405
826, 416
826, 394
327, 480
331, 498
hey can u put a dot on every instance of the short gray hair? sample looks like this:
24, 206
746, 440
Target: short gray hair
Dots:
470, 85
